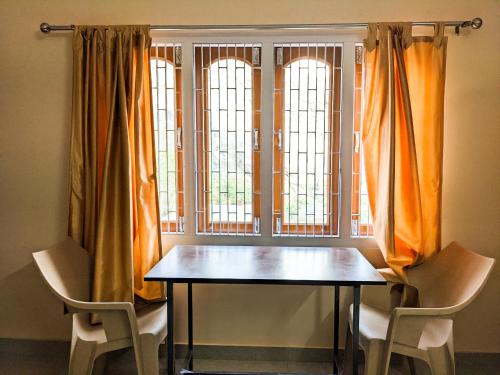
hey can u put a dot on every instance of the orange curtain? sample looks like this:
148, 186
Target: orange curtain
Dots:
113, 211
403, 140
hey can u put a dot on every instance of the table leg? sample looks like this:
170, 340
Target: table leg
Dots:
170, 329
336, 313
355, 329
190, 324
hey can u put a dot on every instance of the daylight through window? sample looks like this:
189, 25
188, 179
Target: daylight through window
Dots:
361, 218
306, 161
166, 81
227, 96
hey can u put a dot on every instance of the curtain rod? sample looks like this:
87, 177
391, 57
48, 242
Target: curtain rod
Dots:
475, 23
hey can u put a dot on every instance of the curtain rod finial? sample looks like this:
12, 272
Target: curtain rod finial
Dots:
45, 28
476, 23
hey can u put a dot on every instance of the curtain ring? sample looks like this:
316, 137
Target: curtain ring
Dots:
438, 34
371, 39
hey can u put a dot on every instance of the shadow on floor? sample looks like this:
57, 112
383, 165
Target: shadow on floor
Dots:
22, 357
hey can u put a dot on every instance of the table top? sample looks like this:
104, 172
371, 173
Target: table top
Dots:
265, 265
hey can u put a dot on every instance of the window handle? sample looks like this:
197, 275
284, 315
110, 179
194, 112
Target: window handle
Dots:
179, 138
256, 138
279, 140
356, 142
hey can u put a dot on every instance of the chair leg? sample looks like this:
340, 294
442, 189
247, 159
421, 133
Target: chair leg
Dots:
373, 353
150, 360
442, 361
100, 364
139, 362
82, 356
347, 360
411, 365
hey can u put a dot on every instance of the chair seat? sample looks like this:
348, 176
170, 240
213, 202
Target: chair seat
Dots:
446, 283
87, 331
151, 320
373, 325
66, 270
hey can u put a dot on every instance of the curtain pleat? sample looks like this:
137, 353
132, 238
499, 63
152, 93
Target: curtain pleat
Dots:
403, 140
113, 209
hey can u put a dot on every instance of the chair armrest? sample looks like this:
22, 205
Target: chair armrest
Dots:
409, 313
414, 318
434, 312
117, 318
390, 276
105, 308
96, 307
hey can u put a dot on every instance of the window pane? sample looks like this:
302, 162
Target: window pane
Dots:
306, 152
361, 219
307, 175
165, 75
225, 136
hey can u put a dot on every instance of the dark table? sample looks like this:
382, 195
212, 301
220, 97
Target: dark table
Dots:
328, 266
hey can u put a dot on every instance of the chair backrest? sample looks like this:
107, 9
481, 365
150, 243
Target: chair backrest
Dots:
65, 268
452, 278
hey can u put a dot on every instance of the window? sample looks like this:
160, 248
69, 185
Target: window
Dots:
227, 80
300, 150
361, 221
166, 83
306, 152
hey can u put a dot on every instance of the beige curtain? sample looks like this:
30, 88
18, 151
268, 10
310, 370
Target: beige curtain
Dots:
113, 211
403, 140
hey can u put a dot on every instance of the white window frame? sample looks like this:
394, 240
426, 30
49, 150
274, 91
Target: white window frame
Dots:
169, 226
218, 227
267, 38
297, 232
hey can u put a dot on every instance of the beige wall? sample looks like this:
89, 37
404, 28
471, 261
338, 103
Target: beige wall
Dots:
35, 99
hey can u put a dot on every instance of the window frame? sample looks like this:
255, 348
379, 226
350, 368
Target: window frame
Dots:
296, 52
211, 54
359, 230
167, 52
267, 38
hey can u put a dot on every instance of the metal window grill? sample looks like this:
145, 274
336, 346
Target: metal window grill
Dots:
361, 217
227, 133
166, 81
306, 157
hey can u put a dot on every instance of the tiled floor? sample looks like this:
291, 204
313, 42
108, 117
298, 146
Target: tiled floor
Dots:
29, 358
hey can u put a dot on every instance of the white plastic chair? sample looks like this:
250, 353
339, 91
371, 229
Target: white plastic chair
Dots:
65, 269
446, 284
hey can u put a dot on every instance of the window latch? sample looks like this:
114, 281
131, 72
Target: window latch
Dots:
256, 56
256, 225
358, 53
278, 225
279, 56
256, 138
354, 227
178, 55
180, 223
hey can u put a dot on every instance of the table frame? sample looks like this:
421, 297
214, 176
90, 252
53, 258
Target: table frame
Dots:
189, 359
